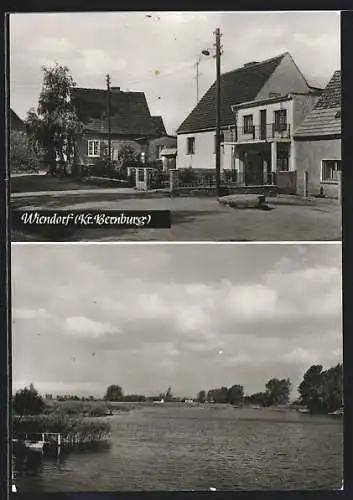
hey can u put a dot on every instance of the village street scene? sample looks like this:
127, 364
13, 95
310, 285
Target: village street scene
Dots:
234, 129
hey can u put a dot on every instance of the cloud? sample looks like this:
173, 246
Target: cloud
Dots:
27, 313
299, 355
93, 44
120, 314
85, 327
56, 46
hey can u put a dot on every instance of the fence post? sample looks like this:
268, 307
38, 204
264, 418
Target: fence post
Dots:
339, 187
173, 180
146, 178
306, 181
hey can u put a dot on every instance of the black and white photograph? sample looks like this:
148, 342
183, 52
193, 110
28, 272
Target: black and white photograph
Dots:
199, 367
229, 120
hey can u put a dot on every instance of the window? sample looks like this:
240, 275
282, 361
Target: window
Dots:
248, 124
191, 145
329, 170
280, 120
94, 148
282, 164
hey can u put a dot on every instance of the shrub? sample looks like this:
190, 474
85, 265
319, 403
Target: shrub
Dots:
23, 156
187, 176
28, 402
60, 423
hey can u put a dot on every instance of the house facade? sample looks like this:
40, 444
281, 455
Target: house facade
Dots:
256, 109
131, 123
164, 149
318, 144
260, 147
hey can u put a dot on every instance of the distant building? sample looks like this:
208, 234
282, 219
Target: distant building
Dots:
130, 123
318, 143
164, 148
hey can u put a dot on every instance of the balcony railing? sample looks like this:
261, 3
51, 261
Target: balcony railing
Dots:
268, 131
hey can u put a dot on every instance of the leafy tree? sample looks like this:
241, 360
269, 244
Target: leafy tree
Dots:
201, 397
27, 401
258, 398
322, 391
55, 126
23, 156
235, 394
218, 395
310, 389
278, 391
114, 393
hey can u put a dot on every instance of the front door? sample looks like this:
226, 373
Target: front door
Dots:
254, 170
263, 120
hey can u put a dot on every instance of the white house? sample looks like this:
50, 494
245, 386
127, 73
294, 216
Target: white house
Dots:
318, 144
262, 88
259, 148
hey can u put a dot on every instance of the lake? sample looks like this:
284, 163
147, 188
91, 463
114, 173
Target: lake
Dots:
175, 447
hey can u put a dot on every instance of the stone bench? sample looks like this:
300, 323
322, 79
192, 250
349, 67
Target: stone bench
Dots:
243, 200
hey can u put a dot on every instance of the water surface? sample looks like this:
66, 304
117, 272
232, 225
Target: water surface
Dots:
174, 447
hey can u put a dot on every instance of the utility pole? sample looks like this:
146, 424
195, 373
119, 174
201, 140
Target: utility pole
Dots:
218, 111
108, 119
197, 80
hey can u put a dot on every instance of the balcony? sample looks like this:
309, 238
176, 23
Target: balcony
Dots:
266, 132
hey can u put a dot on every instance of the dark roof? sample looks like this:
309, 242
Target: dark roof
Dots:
15, 121
331, 96
325, 117
129, 111
159, 125
240, 85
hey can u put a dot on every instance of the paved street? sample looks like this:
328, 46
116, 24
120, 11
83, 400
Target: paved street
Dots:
193, 219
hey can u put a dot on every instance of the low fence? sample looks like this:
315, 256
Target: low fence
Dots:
194, 182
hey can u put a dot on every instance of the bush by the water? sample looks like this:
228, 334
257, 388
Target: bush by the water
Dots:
63, 424
27, 401
83, 408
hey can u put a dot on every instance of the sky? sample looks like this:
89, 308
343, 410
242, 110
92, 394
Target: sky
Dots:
193, 317
156, 52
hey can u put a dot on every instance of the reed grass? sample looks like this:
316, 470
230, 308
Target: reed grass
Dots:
82, 429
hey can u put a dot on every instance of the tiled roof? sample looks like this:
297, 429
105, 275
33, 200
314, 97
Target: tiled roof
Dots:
159, 125
325, 118
129, 112
15, 121
240, 85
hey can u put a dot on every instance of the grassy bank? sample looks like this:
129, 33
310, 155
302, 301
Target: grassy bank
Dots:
72, 429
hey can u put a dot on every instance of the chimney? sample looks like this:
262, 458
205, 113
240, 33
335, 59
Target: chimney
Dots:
115, 89
250, 63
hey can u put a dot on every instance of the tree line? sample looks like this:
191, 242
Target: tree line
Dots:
321, 391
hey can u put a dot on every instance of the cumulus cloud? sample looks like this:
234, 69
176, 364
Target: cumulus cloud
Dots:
27, 313
162, 64
83, 327
133, 318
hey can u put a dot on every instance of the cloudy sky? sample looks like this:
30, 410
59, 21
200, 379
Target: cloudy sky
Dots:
187, 316
156, 52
